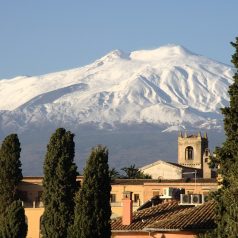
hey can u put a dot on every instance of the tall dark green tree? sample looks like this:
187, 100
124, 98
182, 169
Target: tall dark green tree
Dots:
12, 216
93, 210
59, 185
13, 224
10, 169
227, 159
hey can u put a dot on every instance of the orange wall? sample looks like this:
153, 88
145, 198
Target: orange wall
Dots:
33, 219
149, 189
33, 186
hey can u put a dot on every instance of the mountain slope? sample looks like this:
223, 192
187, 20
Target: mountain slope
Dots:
125, 101
166, 86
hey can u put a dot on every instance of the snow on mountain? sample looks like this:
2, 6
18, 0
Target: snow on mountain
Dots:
170, 86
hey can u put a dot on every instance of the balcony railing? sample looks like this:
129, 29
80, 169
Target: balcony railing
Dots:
32, 204
116, 204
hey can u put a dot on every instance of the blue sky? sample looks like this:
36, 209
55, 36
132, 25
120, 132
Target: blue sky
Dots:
38, 37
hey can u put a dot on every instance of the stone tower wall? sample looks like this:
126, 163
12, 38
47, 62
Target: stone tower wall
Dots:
207, 173
198, 144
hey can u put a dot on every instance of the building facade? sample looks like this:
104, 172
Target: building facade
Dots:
193, 155
141, 190
167, 220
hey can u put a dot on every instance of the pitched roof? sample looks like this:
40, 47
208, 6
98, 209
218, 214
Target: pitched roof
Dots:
170, 216
196, 218
182, 166
175, 165
147, 216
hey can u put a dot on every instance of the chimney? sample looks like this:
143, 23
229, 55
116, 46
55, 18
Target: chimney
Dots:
127, 208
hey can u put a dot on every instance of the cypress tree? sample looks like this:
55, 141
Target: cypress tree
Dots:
59, 185
12, 216
10, 170
14, 225
227, 159
93, 210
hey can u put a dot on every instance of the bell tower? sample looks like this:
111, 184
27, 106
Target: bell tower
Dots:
191, 149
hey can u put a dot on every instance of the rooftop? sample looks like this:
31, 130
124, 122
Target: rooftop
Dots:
161, 181
170, 216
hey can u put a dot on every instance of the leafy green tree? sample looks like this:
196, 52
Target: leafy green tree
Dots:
13, 225
12, 216
227, 160
93, 211
114, 174
59, 185
132, 172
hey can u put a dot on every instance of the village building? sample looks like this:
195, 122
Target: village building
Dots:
193, 155
145, 189
166, 220
166, 170
193, 160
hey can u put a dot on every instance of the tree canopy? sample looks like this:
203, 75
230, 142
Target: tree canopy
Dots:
59, 185
227, 160
10, 169
93, 211
132, 172
12, 215
13, 224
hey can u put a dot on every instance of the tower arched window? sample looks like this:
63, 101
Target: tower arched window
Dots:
189, 153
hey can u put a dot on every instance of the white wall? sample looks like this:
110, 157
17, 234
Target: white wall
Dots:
163, 171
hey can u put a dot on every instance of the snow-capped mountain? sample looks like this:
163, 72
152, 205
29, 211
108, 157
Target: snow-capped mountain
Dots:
169, 85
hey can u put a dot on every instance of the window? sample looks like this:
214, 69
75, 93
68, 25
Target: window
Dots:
156, 193
189, 153
136, 197
113, 197
22, 195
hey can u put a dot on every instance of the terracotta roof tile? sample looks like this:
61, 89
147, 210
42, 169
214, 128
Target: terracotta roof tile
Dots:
182, 166
147, 216
196, 218
170, 216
